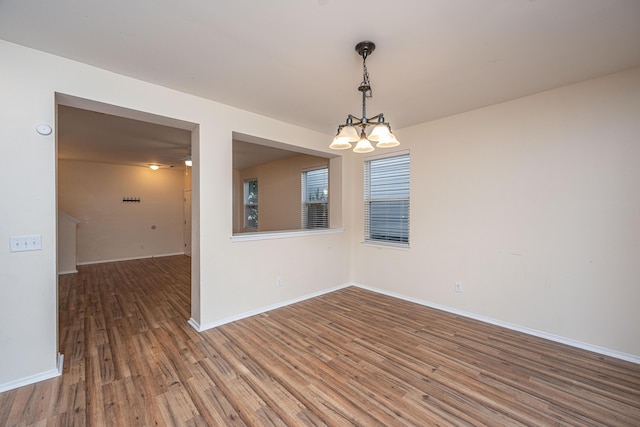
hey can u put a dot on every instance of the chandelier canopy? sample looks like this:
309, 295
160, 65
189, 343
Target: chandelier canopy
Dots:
354, 129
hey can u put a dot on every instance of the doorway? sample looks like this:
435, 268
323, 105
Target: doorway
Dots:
164, 141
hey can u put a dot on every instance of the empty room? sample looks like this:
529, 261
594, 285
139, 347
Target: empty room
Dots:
320, 213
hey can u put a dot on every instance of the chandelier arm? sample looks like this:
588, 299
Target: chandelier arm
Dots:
379, 119
364, 122
352, 121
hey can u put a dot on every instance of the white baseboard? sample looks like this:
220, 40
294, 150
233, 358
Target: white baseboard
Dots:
195, 325
540, 334
67, 272
261, 310
35, 378
60, 363
128, 259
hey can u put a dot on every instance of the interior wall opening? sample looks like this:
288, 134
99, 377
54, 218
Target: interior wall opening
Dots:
282, 187
122, 208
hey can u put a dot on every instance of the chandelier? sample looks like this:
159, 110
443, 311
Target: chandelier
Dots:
349, 132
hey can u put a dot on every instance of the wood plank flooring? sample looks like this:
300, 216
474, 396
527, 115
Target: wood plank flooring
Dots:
351, 357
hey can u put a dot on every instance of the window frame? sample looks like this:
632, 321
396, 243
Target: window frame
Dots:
305, 204
402, 239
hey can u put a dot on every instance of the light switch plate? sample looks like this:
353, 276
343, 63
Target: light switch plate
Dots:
25, 243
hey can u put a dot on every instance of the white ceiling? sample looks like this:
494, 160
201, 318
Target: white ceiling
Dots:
106, 138
118, 138
294, 60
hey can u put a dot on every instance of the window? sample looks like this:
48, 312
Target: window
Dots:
251, 204
386, 199
315, 198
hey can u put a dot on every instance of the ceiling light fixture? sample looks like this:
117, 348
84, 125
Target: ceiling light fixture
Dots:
188, 161
154, 167
349, 132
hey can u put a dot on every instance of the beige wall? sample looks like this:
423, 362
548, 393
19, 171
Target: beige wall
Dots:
222, 285
534, 206
279, 192
112, 230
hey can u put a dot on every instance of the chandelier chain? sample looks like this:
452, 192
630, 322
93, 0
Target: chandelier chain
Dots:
365, 86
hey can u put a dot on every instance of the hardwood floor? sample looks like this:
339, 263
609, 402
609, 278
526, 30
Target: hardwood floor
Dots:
351, 357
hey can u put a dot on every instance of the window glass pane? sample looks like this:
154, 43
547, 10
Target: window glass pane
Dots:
387, 199
388, 220
389, 177
315, 198
251, 204
251, 192
316, 215
316, 185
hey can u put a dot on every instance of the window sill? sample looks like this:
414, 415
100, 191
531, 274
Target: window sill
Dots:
381, 245
268, 235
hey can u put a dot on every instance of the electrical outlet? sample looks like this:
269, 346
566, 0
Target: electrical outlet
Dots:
279, 281
458, 287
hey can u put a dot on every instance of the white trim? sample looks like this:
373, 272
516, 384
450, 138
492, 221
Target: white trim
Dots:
67, 272
35, 378
396, 153
195, 325
386, 245
68, 217
267, 235
540, 334
60, 363
261, 310
128, 259
29, 380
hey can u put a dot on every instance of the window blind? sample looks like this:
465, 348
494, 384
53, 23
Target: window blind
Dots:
386, 199
315, 198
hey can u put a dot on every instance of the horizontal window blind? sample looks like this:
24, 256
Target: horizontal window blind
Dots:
315, 198
386, 201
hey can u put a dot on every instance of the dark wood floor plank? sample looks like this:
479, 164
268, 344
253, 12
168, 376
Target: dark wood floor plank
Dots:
350, 357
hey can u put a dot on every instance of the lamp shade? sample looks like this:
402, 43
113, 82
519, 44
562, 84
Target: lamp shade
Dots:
388, 141
350, 133
363, 146
340, 143
379, 132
